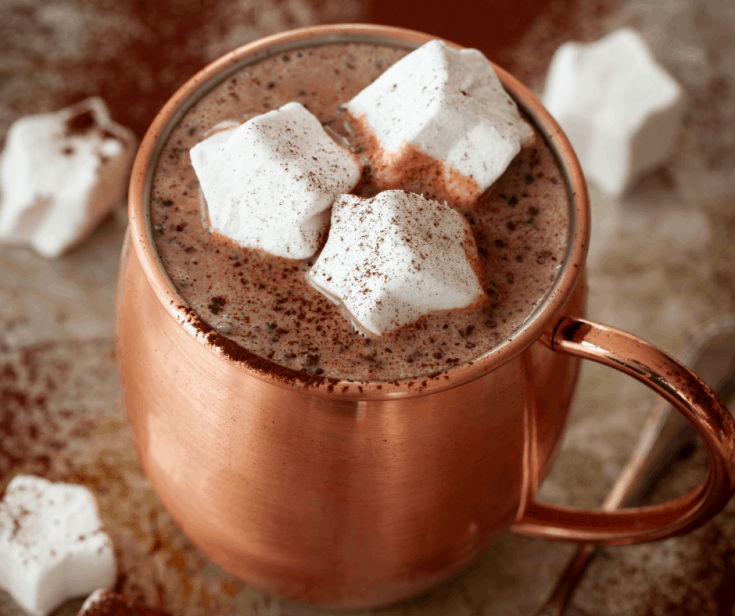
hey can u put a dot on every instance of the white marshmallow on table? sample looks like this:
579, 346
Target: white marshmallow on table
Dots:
61, 173
451, 106
270, 182
391, 259
620, 109
52, 546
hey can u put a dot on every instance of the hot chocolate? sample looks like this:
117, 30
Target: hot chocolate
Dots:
265, 304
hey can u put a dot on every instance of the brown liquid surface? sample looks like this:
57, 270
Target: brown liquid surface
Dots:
264, 303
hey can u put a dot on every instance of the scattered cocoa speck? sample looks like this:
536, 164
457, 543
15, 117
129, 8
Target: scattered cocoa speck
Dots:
467, 331
216, 305
542, 256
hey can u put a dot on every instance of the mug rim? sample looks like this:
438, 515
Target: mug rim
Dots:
539, 324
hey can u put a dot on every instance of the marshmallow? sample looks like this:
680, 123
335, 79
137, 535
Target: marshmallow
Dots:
52, 546
104, 602
619, 108
391, 259
270, 182
449, 105
61, 173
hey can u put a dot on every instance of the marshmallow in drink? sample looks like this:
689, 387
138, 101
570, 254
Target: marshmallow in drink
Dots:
442, 115
61, 173
270, 182
52, 545
620, 109
394, 258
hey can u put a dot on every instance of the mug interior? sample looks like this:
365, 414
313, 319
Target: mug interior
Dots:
537, 323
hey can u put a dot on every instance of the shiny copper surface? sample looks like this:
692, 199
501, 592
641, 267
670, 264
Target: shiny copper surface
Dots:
688, 394
711, 352
357, 499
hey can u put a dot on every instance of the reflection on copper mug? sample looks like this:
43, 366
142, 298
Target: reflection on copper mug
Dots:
364, 497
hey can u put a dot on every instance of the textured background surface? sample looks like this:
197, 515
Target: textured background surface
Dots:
662, 262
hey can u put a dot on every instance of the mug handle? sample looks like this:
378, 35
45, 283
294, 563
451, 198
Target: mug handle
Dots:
688, 394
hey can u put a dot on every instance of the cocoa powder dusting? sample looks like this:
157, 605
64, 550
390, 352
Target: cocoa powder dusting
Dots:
31, 435
166, 48
237, 353
710, 591
132, 53
255, 301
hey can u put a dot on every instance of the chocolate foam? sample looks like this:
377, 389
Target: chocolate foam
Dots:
275, 316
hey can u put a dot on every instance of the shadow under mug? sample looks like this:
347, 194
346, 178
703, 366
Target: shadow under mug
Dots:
361, 494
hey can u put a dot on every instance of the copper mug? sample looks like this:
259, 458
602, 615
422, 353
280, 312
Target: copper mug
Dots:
366, 496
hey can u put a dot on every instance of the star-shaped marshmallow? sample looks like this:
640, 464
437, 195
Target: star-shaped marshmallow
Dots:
52, 546
270, 182
620, 109
391, 259
444, 105
61, 173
